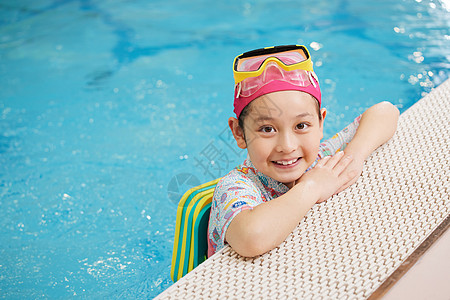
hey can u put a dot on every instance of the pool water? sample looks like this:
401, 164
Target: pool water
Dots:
110, 110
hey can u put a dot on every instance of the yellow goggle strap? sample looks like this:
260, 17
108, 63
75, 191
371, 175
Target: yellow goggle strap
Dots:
306, 65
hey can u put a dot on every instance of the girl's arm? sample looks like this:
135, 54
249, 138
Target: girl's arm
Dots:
254, 232
378, 124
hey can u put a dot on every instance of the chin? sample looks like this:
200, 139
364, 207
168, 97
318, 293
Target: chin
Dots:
289, 179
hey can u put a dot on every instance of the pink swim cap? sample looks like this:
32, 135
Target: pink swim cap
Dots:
275, 79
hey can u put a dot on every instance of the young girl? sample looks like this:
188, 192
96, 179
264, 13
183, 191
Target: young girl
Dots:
279, 120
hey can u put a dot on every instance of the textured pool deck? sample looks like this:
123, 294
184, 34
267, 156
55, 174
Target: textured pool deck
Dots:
347, 247
429, 276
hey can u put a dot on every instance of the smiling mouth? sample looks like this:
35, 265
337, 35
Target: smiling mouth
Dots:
286, 162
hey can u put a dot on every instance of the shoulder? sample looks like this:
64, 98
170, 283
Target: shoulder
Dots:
236, 179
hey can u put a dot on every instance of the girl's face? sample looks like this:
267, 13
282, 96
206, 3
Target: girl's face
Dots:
282, 134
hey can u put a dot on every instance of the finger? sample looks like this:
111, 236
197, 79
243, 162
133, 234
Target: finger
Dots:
323, 161
322, 200
342, 164
346, 185
352, 177
333, 160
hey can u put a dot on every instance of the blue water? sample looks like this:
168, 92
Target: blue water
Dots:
110, 109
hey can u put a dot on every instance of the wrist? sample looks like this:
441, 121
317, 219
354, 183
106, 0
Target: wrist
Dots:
358, 156
307, 190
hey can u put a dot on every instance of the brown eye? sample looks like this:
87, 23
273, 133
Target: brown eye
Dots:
267, 129
301, 126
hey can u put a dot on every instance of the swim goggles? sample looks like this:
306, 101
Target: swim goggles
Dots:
253, 63
273, 69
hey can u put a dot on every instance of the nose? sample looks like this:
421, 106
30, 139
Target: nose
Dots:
286, 143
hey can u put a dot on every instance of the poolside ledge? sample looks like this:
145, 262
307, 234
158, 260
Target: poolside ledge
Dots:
348, 246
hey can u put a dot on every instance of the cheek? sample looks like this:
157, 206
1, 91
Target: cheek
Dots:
312, 144
259, 148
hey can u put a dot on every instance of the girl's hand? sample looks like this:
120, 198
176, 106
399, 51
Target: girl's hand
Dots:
354, 170
331, 175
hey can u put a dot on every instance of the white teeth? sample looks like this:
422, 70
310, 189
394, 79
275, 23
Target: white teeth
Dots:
285, 163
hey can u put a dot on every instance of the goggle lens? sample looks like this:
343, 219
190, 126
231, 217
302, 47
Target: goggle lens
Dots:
253, 63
